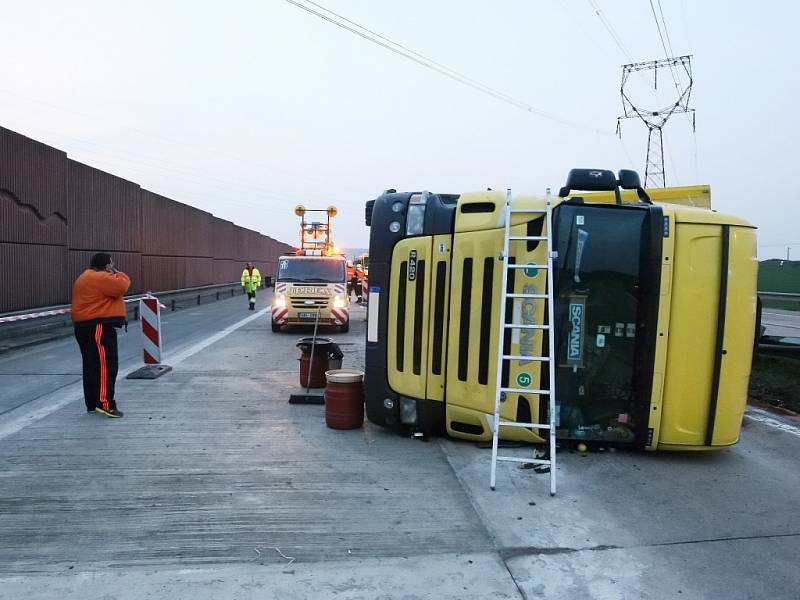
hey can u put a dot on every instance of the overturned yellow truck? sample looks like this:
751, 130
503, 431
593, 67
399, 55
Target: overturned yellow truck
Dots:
654, 309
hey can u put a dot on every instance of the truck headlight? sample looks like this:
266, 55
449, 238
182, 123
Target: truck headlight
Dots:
415, 219
408, 411
279, 301
339, 302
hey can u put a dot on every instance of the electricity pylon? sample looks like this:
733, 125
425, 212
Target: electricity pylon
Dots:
656, 119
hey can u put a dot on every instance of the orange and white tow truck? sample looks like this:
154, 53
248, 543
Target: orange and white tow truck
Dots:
311, 284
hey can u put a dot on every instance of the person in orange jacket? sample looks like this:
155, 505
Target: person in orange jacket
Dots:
98, 310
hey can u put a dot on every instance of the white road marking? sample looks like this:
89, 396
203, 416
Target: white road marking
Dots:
43, 406
762, 416
192, 350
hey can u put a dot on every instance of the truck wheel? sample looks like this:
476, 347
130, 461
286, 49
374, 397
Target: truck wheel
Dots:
276, 328
345, 328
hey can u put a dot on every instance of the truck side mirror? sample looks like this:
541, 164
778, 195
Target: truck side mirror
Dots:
368, 208
629, 180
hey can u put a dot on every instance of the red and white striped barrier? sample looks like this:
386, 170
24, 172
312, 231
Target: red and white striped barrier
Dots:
339, 316
152, 342
150, 314
280, 316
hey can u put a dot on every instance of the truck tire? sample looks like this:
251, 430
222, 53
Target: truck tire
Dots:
276, 328
345, 328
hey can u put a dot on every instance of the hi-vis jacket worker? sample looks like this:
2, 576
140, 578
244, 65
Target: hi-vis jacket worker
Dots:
251, 281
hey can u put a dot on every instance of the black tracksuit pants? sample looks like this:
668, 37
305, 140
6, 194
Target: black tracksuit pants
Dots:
98, 343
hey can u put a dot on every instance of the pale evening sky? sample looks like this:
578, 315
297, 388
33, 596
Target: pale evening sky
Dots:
246, 108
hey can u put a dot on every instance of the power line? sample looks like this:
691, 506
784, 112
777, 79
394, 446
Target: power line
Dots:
618, 41
666, 31
667, 53
611, 31
433, 65
676, 80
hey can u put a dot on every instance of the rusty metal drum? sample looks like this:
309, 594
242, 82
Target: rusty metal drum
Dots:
344, 399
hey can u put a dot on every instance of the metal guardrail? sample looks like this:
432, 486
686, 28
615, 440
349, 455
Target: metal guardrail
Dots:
218, 290
174, 299
47, 323
779, 296
779, 344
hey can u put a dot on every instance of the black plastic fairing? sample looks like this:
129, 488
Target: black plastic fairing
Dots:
388, 208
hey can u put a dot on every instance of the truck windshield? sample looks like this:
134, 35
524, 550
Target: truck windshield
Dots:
600, 280
311, 270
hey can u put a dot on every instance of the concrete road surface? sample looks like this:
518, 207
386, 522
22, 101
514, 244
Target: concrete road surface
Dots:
213, 486
781, 323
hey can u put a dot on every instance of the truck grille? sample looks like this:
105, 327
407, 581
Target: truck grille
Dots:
310, 303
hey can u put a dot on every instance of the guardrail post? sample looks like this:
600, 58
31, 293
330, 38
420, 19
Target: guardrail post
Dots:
198, 299
172, 305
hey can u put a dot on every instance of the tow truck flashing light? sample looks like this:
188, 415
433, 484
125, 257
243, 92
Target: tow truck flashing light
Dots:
315, 236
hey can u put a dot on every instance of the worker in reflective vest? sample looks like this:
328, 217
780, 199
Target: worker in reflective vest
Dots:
251, 281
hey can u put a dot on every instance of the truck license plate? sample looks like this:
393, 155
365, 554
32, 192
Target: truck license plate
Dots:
307, 316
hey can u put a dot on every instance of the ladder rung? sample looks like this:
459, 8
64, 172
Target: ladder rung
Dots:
524, 391
537, 296
528, 238
528, 211
521, 266
526, 425
535, 461
518, 357
521, 326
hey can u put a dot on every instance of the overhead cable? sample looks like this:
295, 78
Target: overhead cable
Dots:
610, 28
667, 53
424, 61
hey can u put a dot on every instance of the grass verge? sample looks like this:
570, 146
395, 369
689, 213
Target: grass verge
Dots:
774, 380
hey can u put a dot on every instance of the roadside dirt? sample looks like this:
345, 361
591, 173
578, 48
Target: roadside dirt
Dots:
775, 380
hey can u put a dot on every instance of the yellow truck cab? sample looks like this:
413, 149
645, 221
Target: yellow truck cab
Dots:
311, 284
654, 309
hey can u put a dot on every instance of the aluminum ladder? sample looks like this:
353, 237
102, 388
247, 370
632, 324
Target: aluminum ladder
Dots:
500, 390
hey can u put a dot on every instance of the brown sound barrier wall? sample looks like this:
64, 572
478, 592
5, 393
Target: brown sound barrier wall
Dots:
56, 212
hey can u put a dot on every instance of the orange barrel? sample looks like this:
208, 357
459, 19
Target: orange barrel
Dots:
344, 399
319, 365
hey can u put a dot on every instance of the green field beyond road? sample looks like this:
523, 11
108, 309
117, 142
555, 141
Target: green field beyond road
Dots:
776, 275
